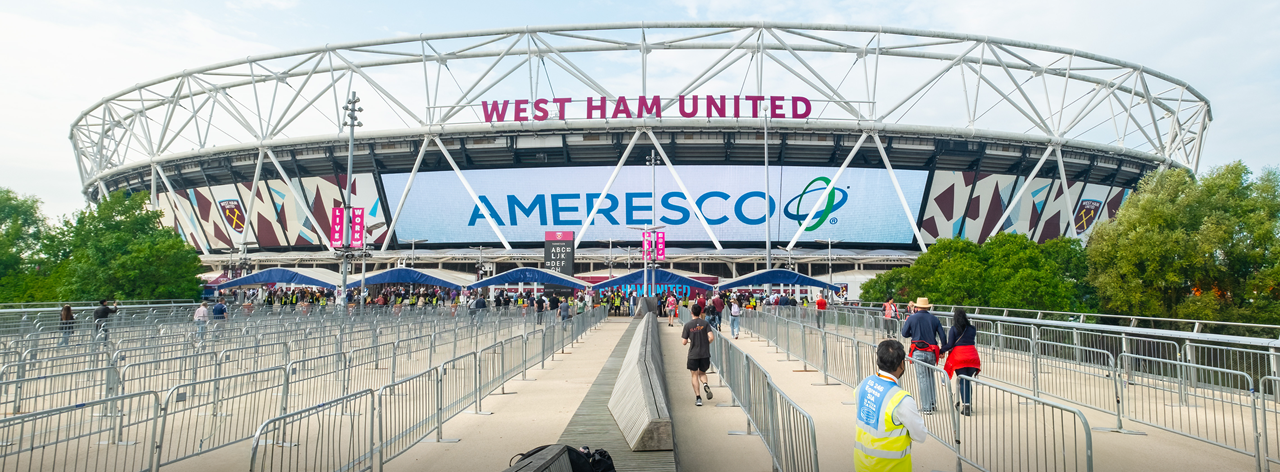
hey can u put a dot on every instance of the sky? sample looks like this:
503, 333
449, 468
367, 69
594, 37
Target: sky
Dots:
65, 55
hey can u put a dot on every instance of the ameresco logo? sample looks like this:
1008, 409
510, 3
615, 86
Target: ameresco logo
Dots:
636, 208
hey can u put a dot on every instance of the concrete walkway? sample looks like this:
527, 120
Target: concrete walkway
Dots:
702, 435
537, 415
593, 425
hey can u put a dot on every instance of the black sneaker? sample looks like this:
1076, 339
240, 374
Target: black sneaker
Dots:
707, 388
698, 401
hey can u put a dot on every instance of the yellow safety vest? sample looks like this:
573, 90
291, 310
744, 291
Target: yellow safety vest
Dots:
882, 445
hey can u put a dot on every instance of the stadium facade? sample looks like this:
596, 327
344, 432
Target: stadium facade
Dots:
476, 144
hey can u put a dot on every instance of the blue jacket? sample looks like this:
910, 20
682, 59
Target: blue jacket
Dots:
923, 326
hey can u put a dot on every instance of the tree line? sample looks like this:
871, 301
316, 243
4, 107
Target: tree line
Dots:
1181, 246
116, 250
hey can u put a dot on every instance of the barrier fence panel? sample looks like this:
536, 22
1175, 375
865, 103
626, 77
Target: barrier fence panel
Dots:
314, 346
1080, 375
1255, 363
58, 390
371, 367
458, 385
787, 430
1014, 431
154, 340
218, 344
1269, 417
1007, 359
251, 358
333, 436
206, 415
413, 355
315, 380
75, 437
160, 375
407, 413
53, 339
70, 350
53, 365
1218, 407
153, 353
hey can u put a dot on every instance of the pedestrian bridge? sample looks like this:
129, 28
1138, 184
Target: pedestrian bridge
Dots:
449, 389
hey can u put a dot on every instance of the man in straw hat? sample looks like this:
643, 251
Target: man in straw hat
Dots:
924, 331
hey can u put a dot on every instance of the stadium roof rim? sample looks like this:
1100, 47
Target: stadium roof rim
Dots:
619, 125
669, 24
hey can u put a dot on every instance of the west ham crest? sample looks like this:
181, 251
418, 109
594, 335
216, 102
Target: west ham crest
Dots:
1087, 214
233, 214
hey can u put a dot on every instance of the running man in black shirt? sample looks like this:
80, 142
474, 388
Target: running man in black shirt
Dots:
697, 335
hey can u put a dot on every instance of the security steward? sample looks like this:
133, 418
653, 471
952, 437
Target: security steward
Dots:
888, 420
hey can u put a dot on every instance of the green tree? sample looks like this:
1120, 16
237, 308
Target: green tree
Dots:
1008, 270
118, 250
21, 229
1194, 249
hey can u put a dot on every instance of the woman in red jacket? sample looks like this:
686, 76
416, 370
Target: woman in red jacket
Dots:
963, 358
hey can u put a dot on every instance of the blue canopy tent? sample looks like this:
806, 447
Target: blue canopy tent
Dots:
279, 275
659, 276
531, 275
404, 275
776, 277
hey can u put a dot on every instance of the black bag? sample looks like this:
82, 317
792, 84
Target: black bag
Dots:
551, 457
600, 459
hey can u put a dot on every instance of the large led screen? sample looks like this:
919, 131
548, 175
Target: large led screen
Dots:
525, 203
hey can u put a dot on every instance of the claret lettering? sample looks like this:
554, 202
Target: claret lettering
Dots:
648, 106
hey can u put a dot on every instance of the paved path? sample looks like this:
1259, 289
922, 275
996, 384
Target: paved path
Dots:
536, 416
593, 425
702, 435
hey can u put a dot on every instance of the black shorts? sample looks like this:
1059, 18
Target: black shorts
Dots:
700, 365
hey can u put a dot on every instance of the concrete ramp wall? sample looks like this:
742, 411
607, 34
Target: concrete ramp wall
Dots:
639, 401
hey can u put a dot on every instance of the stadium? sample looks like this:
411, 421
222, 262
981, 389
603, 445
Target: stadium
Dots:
871, 143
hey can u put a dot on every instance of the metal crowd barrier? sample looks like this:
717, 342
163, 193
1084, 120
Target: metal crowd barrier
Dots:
1047, 436
335, 435
786, 429
208, 415
217, 407
111, 434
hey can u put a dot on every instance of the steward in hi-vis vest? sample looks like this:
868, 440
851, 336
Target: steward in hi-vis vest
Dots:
888, 419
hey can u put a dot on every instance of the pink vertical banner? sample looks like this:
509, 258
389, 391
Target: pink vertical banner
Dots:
646, 246
660, 245
357, 227
335, 227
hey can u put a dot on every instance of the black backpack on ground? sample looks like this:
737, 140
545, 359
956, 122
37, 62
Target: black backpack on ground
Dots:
551, 457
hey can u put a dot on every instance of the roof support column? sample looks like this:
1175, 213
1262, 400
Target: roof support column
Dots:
591, 216
422, 150
173, 193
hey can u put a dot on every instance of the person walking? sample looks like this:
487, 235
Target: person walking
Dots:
201, 318
925, 332
537, 308
565, 308
671, 310
100, 315
890, 317
717, 307
219, 315
962, 358
735, 314
888, 420
68, 324
698, 336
